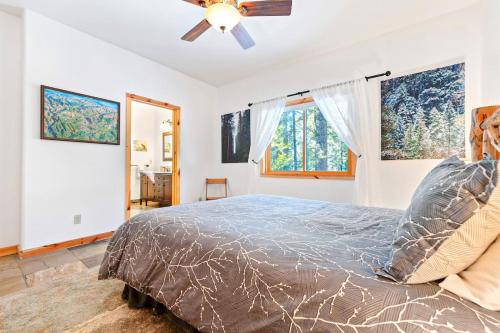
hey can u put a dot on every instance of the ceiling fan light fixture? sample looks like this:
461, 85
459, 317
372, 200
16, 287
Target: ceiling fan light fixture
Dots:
223, 17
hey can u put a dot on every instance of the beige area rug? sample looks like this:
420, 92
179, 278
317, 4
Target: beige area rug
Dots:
79, 303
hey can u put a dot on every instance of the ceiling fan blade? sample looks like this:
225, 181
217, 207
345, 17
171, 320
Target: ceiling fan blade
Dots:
200, 3
197, 31
266, 8
242, 36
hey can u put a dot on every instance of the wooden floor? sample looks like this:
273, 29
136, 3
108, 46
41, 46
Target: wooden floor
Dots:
17, 274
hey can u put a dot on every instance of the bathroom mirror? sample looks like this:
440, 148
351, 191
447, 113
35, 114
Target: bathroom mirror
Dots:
167, 146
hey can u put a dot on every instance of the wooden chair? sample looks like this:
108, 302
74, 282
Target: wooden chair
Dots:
216, 181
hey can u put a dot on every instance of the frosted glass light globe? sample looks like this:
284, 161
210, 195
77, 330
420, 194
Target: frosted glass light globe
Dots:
223, 17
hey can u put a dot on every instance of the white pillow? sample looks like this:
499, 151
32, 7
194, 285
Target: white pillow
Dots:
480, 283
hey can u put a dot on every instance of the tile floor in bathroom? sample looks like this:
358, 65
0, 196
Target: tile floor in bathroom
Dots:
136, 208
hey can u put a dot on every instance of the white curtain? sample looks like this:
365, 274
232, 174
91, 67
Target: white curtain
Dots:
265, 118
345, 107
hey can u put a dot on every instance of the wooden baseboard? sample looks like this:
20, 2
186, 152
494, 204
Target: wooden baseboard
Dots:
7, 251
63, 245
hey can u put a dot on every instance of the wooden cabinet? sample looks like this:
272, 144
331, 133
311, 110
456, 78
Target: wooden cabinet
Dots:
156, 187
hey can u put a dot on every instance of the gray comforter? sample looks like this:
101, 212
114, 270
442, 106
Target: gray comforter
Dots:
275, 264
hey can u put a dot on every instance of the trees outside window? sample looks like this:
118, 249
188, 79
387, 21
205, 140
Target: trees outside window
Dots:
305, 145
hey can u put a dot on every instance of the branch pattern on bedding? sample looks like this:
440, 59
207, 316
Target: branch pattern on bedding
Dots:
274, 264
453, 217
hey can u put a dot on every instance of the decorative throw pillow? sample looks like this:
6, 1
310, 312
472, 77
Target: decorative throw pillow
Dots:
453, 217
480, 283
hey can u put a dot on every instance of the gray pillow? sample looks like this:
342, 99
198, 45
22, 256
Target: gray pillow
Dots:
453, 217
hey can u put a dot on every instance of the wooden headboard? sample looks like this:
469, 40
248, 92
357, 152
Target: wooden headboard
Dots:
485, 132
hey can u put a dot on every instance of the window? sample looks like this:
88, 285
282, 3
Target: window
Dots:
305, 145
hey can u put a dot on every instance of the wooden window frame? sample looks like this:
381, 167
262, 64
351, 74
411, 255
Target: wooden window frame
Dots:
265, 164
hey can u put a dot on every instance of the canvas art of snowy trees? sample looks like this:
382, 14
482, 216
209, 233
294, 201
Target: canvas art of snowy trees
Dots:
423, 115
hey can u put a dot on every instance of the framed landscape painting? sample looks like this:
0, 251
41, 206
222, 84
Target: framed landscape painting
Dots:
69, 116
140, 146
423, 114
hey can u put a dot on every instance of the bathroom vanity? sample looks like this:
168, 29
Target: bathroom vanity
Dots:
156, 187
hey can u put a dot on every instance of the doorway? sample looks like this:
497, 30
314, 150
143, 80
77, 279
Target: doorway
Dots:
152, 177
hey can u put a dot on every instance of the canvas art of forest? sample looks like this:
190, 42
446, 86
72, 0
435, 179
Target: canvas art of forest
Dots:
236, 137
423, 115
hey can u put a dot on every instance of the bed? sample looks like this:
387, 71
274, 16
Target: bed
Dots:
276, 264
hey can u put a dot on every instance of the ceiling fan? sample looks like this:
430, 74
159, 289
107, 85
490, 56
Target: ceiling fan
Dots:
226, 15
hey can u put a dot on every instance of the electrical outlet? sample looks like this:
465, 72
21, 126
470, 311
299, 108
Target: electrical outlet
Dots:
77, 219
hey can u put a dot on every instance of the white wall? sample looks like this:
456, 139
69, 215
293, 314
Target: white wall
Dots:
443, 40
143, 129
61, 179
490, 53
146, 120
10, 128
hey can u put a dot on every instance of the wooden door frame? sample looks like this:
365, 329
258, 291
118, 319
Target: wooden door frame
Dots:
176, 110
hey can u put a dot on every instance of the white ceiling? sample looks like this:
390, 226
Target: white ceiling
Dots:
152, 28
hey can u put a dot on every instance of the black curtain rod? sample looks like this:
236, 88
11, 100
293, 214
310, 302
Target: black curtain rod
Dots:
368, 78
302, 93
